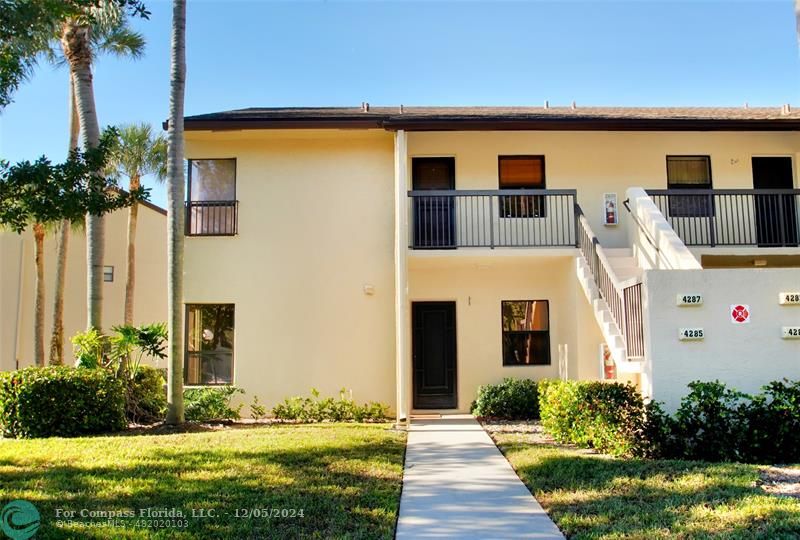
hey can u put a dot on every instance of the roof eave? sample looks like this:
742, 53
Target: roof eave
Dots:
589, 124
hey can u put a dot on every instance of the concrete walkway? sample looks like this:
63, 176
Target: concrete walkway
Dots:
457, 484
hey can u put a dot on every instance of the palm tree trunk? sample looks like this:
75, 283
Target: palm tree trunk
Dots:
77, 49
130, 281
175, 215
57, 339
38, 321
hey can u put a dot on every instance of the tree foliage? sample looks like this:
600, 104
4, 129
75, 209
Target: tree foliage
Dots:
26, 27
43, 192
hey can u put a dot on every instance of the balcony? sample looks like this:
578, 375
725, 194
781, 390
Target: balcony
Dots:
212, 218
508, 218
731, 217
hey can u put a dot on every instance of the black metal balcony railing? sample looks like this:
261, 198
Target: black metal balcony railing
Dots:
447, 219
731, 217
212, 218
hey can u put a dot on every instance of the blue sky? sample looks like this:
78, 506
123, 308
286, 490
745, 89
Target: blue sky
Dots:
266, 53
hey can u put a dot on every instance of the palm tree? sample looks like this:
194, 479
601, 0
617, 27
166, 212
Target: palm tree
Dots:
76, 42
139, 152
175, 216
121, 41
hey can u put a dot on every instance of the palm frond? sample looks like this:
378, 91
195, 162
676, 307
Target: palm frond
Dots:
138, 152
120, 41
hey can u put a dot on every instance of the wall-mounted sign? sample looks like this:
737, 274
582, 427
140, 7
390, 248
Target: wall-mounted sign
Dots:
740, 314
791, 332
609, 367
791, 298
690, 300
610, 209
691, 334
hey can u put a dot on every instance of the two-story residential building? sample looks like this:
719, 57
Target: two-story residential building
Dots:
411, 254
18, 283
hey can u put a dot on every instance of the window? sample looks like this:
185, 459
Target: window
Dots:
108, 273
211, 208
526, 332
689, 172
522, 172
209, 344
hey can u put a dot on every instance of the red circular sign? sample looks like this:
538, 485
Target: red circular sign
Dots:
740, 313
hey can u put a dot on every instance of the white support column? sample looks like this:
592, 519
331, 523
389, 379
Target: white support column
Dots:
401, 311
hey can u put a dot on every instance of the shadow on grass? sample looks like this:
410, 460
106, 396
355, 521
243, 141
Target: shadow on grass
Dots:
351, 489
596, 496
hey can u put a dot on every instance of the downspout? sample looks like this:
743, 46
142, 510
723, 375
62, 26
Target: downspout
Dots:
20, 275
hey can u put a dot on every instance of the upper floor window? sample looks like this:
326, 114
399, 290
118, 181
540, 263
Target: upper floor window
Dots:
209, 344
211, 209
689, 172
526, 332
522, 172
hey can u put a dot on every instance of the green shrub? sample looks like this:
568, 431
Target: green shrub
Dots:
709, 420
211, 403
257, 410
314, 409
605, 416
772, 430
715, 423
147, 396
512, 399
60, 401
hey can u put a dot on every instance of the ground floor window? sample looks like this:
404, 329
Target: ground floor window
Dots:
209, 344
526, 332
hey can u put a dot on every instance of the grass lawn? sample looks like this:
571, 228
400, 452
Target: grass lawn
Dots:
345, 478
591, 496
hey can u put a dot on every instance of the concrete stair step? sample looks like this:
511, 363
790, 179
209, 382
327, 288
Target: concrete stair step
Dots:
618, 252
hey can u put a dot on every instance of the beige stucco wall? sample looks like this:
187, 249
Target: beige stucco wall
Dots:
479, 284
150, 303
315, 227
745, 356
595, 162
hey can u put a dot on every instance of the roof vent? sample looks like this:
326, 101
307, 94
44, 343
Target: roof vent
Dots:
573, 107
546, 104
401, 109
786, 109
364, 106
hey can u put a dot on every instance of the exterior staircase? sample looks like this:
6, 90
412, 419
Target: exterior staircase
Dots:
617, 269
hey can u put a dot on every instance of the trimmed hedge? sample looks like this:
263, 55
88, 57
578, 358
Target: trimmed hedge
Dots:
715, 423
605, 416
60, 401
512, 399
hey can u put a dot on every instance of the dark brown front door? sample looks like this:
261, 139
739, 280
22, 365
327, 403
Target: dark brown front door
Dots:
434, 215
776, 213
434, 355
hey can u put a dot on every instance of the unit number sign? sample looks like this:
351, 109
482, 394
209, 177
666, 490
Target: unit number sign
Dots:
789, 298
690, 299
690, 334
791, 332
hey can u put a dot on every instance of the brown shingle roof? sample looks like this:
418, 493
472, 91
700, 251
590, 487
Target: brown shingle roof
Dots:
465, 118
